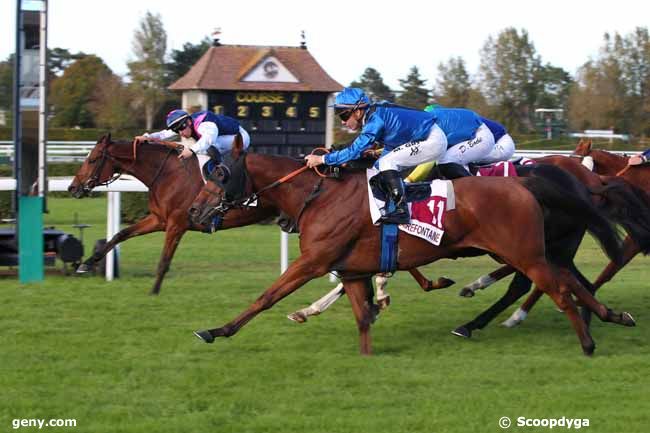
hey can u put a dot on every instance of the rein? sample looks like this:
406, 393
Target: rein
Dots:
252, 199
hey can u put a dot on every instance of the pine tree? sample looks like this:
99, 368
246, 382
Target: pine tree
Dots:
415, 94
373, 84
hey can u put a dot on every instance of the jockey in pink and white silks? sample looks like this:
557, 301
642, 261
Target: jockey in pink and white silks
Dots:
214, 133
410, 137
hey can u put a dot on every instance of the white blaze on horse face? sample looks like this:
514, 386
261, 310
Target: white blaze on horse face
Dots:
588, 162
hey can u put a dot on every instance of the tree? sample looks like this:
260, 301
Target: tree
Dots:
453, 86
58, 59
613, 90
554, 85
73, 92
112, 105
415, 95
7, 83
182, 60
148, 70
373, 84
509, 67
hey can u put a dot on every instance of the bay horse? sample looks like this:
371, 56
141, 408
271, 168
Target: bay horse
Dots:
337, 234
563, 237
622, 202
172, 184
611, 164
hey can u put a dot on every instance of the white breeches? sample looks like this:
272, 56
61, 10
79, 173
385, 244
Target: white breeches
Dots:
502, 151
415, 153
224, 142
474, 150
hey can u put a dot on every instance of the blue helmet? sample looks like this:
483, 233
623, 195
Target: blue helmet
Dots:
175, 118
351, 97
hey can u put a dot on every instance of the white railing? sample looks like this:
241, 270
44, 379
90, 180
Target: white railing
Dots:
57, 151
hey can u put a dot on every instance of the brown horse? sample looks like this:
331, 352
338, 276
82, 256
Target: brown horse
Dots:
172, 184
338, 235
611, 164
622, 202
154, 164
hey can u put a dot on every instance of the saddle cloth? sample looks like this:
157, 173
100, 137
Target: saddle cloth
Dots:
502, 169
427, 215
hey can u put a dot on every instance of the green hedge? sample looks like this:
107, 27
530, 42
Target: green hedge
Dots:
134, 206
70, 134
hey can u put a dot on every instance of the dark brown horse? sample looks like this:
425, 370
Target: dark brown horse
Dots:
622, 202
611, 164
172, 184
337, 234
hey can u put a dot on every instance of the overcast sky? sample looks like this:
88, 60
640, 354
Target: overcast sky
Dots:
344, 36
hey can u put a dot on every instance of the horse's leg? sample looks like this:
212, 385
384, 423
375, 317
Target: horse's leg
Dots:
173, 236
428, 285
148, 224
630, 250
302, 270
383, 298
358, 291
587, 299
518, 287
319, 306
486, 281
553, 284
520, 314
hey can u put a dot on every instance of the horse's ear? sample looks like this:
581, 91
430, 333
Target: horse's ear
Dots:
237, 146
589, 143
108, 138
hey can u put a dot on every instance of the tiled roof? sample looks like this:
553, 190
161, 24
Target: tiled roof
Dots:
222, 67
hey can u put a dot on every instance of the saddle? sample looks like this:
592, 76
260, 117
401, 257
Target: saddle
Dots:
416, 191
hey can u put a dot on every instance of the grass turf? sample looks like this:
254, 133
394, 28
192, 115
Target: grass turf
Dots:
118, 360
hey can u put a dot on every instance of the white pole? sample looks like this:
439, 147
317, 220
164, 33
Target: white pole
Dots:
42, 105
112, 227
284, 251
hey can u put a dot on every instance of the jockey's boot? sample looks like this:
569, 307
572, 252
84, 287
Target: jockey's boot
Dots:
395, 189
214, 154
452, 170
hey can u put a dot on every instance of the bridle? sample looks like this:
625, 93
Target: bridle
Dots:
94, 178
252, 199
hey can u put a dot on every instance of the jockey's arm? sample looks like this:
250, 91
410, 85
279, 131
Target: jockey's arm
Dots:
209, 133
369, 134
159, 136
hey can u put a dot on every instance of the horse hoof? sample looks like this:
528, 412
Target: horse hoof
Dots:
466, 292
462, 331
627, 319
298, 317
82, 269
383, 303
444, 282
589, 350
205, 336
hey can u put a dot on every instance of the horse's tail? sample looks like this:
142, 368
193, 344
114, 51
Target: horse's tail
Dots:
557, 190
628, 206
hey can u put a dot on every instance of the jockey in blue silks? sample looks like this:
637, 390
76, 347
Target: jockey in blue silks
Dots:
214, 133
409, 137
504, 145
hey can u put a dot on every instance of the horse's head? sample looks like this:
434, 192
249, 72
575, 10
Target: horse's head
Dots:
583, 148
227, 183
97, 169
